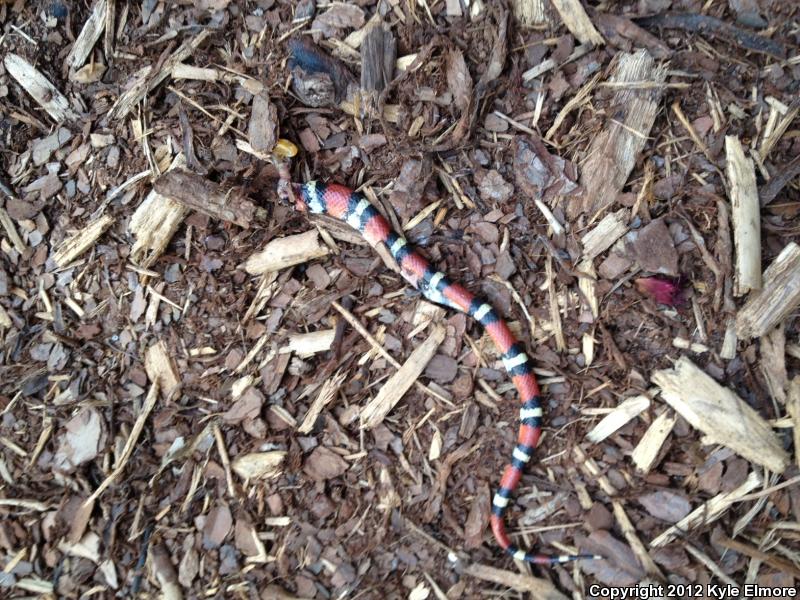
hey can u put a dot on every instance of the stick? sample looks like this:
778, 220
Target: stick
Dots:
746, 215
779, 296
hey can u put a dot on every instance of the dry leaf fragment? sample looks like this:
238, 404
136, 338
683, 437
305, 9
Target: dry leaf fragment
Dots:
662, 290
459, 81
90, 73
80, 442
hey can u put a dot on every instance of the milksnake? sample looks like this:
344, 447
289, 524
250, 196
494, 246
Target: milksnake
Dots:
349, 206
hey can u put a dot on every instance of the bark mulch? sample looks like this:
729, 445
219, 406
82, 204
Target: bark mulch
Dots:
206, 393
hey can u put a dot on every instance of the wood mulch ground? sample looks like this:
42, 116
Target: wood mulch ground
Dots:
205, 393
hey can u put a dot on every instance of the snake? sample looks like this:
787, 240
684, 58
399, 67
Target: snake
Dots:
344, 204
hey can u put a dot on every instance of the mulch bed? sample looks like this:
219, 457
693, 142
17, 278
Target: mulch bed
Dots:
206, 393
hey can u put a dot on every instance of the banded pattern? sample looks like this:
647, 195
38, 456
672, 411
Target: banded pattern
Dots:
344, 204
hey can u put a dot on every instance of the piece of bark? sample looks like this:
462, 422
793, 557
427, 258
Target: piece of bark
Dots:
263, 127
647, 450
286, 252
318, 78
378, 56
91, 32
578, 22
39, 87
746, 215
478, 517
708, 512
550, 63
323, 464
205, 196
715, 28
720, 414
460, 83
75, 245
588, 287
779, 296
149, 77
614, 152
783, 175
398, 384
618, 30
154, 223
653, 248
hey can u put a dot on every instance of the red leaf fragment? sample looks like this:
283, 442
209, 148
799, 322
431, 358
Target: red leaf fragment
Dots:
662, 290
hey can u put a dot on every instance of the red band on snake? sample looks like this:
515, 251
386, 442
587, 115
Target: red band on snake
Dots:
351, 207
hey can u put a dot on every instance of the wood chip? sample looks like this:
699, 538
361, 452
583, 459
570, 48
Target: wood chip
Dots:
541, 589
160, 367
75, 245
793, 408
624, 413
164, 572
614, 152
259, 465
39, 87
154, 223
398, 384
708, 512
91, 32
11, 231
326, 393
647, 450
285, 252
308, 344
603, 235
629, 531
550, 64
130, 443
534, 12
746, 215
779, 296
148, 78
578, 22
720, 414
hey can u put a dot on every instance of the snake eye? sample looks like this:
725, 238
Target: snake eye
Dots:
284, 149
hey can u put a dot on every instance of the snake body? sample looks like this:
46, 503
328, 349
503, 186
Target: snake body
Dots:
353, 208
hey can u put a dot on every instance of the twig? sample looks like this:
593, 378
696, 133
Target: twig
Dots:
716, 28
